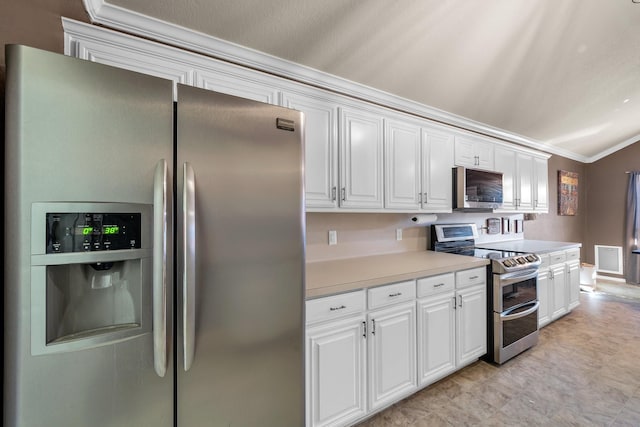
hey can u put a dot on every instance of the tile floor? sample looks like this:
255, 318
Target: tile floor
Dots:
585, 371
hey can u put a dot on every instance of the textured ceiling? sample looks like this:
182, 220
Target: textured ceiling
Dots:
564, 73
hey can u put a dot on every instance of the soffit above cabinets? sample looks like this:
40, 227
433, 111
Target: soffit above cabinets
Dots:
560, 76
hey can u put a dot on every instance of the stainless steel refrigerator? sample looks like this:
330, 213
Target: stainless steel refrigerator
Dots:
154, 251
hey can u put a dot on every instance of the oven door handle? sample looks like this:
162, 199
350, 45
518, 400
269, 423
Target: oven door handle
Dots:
506, 316
517, 276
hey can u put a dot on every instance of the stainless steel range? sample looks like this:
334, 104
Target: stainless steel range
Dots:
512, 294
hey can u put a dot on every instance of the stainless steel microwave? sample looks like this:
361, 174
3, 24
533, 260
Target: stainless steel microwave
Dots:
476, 190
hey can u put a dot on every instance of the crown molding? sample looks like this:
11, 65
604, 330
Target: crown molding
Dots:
116, 17
605, 153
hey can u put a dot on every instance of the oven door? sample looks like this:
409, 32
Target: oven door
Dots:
515, 330
514, 289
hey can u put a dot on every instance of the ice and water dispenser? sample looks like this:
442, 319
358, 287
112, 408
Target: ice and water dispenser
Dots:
91, 274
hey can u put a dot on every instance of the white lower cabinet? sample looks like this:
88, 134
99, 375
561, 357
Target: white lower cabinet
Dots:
471, 324
558, 285
573, 284
336, 355
436, 337
558, 291
367, 350
544, 298
392, 354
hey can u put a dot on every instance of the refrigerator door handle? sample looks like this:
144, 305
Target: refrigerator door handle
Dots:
189, 263
160, 268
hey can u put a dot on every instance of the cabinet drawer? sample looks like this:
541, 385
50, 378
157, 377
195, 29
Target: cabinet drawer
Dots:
544, 260
335, 306
557, 258
391, 294
474, 276
573, 254
435, 284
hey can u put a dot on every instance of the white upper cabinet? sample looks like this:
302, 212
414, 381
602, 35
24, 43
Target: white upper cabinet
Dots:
437, 164
540, 185
418, 163
473, 152
524, 181
402, 165
505, 162
361, 165
320, 147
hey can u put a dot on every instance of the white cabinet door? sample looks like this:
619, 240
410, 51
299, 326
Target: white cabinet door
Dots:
361, 152
336, 372
505, 162
544, 297
471, 324
524, 179
392, 354
474, 153
559, 289
437, 162
540, 185
321, 148
573, 284
402, 165
436, 337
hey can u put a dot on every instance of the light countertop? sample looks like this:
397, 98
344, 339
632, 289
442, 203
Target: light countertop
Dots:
337, 276
531, 246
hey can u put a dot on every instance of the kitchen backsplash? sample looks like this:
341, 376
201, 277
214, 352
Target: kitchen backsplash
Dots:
373, 234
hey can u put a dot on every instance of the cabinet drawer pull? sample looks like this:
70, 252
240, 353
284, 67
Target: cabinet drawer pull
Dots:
342, 307
397, 294
473, 277
438, 285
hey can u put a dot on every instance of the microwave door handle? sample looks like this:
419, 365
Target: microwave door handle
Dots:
506, 316
160, 268
189, 264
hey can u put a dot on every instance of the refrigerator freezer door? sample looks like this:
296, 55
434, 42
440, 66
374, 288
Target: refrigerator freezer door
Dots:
76, 132
247, 346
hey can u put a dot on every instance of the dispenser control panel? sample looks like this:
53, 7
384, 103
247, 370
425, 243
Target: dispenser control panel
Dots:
86, 232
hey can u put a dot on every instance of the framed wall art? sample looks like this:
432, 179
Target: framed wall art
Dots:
567, 193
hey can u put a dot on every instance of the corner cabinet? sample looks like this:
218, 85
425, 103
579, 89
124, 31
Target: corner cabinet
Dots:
361, 164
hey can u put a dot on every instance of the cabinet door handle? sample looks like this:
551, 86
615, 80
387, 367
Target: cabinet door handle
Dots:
344, 194
364, 329
454, 303
420, 198
397, 294
373, 326
460, 296
424, 197
342, 307
333, 194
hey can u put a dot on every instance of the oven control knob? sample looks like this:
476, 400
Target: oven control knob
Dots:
521, 260
531, 258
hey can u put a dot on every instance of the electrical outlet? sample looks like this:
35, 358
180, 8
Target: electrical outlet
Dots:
398, 233
333, 237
